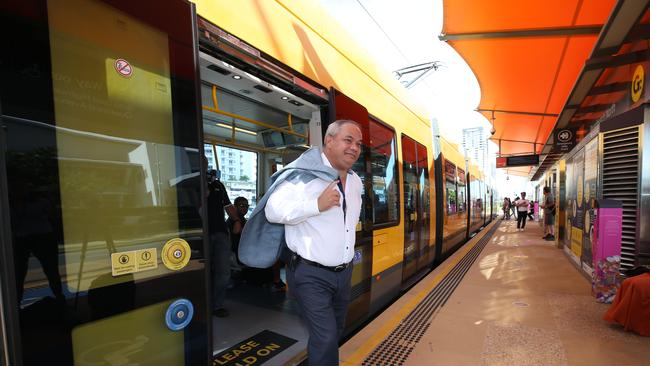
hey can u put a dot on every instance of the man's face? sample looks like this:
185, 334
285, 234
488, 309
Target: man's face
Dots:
242, 207
344, 148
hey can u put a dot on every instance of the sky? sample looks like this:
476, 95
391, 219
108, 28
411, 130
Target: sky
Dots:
405, 33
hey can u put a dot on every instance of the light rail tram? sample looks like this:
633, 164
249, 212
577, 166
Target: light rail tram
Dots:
107, 108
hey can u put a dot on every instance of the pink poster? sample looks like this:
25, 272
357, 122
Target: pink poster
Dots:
605, 234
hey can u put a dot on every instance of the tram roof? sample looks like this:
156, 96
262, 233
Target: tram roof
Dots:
303, 36
527, 57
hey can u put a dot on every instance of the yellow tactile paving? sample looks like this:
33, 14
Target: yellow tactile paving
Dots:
521, 303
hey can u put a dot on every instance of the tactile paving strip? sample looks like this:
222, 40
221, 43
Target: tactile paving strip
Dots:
396, 348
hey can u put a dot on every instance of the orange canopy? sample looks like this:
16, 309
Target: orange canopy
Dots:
526, 56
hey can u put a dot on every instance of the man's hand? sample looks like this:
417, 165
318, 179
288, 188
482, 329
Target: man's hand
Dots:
236, 227
329, 198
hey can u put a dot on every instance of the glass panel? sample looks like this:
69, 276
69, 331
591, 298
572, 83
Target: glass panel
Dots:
474, 195
423, 180
239, 174
99, 162
359, 167
462, 191
410, 172
116, 155
384, 173
208, 150
451, 197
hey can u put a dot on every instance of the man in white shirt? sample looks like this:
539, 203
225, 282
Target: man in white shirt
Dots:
522, 211
319, 220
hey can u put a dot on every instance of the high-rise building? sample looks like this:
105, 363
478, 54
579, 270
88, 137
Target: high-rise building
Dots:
475, 144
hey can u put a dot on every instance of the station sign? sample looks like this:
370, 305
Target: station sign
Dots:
564, 140
519, 160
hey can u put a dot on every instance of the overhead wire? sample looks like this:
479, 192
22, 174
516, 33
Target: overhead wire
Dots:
384, 32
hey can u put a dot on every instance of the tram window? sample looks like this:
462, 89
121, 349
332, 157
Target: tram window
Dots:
384, 173
209, 155
241, 180
423, 172
461, 198
410, 171
462, 191
451, 198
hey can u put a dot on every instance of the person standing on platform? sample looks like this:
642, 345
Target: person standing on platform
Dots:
506, 208
531, 211
549, 214
513, 207
319, 219
522, 211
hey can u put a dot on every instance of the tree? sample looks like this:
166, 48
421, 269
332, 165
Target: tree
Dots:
244, 178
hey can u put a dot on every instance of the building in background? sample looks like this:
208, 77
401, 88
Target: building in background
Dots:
238, 171
475, 145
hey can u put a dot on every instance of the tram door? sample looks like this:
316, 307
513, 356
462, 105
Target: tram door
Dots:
102, 239
416, 207
343, 107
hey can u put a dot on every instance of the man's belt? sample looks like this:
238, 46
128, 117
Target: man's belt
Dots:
338, 268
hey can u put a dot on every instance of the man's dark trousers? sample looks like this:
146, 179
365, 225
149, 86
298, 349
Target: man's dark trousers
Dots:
521, 218
323, 296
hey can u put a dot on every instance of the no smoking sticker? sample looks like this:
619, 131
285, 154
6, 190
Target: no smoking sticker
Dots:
123, 67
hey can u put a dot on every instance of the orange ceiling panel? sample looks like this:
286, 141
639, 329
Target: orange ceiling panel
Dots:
545, 129
526, 57
514, 127
480, 15
578, 50
513, 74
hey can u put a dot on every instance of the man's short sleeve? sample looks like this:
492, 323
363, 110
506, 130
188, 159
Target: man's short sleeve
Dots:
225, 200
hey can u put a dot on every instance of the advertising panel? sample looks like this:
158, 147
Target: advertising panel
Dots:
575, 199
589, 201
606, 236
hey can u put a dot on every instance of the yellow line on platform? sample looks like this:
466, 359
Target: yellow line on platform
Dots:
366, 348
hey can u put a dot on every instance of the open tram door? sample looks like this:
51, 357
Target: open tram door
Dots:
102, 242
343, 107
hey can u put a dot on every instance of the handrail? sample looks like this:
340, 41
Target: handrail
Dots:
216, 109
214, 141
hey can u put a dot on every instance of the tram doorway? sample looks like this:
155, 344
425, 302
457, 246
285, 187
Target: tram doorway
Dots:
252, 128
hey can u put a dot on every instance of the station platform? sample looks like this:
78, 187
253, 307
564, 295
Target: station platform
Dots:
505, 298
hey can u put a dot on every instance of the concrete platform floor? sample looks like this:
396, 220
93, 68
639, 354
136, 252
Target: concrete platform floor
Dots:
521, 303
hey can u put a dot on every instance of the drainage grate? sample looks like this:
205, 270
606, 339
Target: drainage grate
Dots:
396, 348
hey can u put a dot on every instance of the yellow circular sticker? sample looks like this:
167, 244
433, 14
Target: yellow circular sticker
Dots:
636, 89
175, 254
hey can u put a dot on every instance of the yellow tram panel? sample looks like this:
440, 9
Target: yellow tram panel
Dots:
387, 248
312, 44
